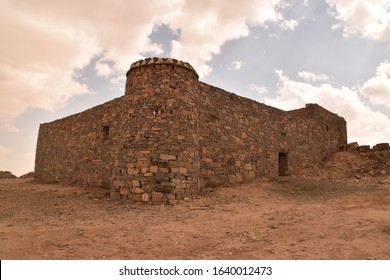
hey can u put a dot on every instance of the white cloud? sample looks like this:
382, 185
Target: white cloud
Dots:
364, 124
377, 89
289, 24
383, 68
215, 22
312, 77
370, 18
103, 69
45, 41
237, 64
259, 89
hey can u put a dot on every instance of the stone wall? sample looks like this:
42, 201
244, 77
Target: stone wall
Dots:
171, 135
81, 148
241, 139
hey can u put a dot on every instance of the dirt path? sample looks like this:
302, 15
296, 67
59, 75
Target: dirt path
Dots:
261, 220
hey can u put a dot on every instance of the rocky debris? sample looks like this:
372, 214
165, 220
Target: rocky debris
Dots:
381, 147
355, 162
7, 175
27, 175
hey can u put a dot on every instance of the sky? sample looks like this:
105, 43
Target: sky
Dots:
60, 57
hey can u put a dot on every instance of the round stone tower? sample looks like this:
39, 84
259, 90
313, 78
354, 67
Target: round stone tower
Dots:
160, 158
153, 71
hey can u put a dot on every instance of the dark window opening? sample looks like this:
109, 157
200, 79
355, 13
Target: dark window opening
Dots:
327, 127
283, 134
106, 132
156, 112
173, 67
283, 164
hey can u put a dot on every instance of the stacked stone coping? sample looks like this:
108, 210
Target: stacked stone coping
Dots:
161, 61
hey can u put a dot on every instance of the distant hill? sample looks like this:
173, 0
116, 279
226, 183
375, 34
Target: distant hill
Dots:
27, 175
7, 175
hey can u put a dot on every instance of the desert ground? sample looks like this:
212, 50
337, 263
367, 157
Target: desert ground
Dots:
288, 218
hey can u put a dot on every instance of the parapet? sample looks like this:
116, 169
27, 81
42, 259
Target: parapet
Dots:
161, 61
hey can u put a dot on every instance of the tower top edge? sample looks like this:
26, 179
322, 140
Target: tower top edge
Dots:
162, 61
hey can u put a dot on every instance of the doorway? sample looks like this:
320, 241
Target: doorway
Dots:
283, 164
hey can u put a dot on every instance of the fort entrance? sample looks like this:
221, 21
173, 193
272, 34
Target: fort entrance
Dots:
283, 163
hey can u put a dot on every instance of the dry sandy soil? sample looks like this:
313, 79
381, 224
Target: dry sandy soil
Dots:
292, 218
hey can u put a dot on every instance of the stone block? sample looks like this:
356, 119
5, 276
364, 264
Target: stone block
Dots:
176, 181
167, 184
137, 190
183, 170
135, 183
153, 169
163, 170
134, 196
232, 179
141, 163
167, 157
124, 192
157, 197
170, 196
132, 171
239, 177
163, 189
144, 169
248, 166
159, 177
145, 197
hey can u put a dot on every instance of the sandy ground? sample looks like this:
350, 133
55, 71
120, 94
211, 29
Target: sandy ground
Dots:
260, 220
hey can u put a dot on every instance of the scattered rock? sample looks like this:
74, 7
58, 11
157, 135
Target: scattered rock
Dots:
381, 147
354, 163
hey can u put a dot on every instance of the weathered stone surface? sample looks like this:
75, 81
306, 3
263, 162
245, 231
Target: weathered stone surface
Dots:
171, 131
135, 183
157, 197
167, 157
145, 197
137, 190
153, 169
134, 197
163, 189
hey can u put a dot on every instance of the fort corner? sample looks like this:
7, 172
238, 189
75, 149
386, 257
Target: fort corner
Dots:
171, 135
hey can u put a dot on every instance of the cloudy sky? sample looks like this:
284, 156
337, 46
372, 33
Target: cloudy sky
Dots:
61, 57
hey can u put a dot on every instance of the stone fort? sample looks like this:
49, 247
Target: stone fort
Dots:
171, 135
